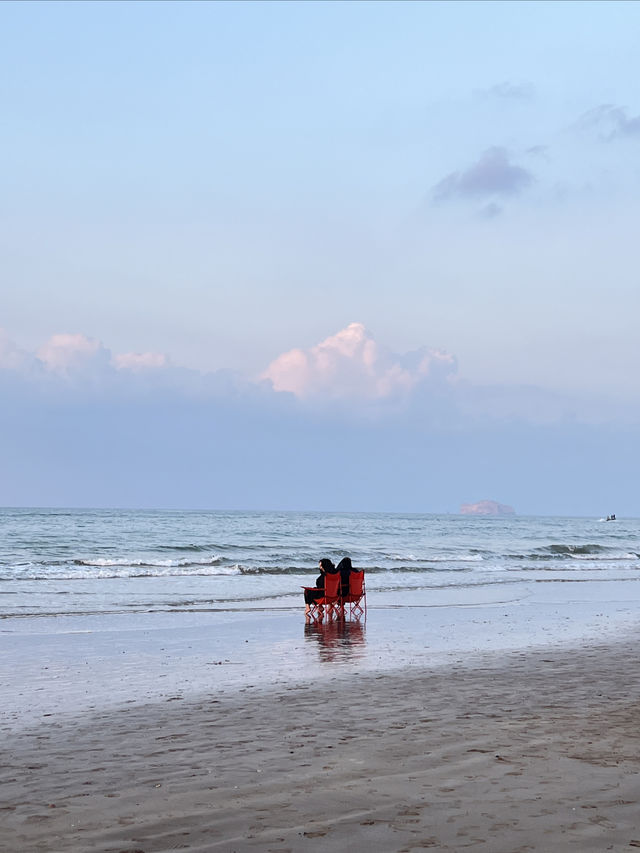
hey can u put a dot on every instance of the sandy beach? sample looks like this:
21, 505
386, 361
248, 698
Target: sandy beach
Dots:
506, 751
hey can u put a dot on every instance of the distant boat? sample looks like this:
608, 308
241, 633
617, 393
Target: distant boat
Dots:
611, 517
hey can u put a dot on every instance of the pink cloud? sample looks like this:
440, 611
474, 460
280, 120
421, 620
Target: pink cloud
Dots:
351, 364
64, 353
67, 353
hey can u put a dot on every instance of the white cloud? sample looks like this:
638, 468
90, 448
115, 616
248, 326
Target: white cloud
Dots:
140, 361
352, 365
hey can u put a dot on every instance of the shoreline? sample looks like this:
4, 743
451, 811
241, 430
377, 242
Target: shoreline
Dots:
524, 750
76, 664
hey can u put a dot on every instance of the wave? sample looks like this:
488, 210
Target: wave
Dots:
455, 558
437, 558
552, 557
100, 562
214, 546
605, 557
575, 549
104, 569
195, 548
119, 572
560, 552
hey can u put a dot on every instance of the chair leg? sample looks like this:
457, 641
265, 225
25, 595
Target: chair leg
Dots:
356, 609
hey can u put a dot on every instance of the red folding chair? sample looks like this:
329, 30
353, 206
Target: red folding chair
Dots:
356, 601
331, 598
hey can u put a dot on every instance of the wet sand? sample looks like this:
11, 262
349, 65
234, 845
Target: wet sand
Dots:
84, 664
502, 752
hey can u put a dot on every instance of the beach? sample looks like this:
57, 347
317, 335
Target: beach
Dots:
510, 749
161, 690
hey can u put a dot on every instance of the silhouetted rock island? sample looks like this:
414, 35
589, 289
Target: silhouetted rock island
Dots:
487, 508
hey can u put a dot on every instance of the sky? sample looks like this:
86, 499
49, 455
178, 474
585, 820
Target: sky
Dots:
347, 256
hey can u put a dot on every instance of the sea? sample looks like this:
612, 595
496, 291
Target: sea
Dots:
103, 607
92, 562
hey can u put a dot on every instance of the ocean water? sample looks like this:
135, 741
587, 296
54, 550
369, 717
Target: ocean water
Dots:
101, 608
57, 562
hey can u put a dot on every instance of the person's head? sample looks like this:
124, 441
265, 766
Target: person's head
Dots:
344, 564
326, 565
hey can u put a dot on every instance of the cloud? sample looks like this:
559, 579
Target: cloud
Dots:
140, 361
491, 210
69, 353
493, 175
351, 377
510, 91
538, 151
395, 432
348, 378
351, 365
77, 370
12, 357
72, 356
611, 122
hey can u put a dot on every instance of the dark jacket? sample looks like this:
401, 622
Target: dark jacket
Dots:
345, 568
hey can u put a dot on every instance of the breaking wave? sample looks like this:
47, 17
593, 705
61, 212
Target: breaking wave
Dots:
100, 562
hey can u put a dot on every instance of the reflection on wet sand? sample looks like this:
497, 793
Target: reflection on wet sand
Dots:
338, 640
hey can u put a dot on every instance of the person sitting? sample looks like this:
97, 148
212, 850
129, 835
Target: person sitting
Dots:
345, 568
311, 595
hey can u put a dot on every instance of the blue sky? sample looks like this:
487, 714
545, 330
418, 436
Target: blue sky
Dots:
199, 199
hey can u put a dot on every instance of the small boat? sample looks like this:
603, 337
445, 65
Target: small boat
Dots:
611, 517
